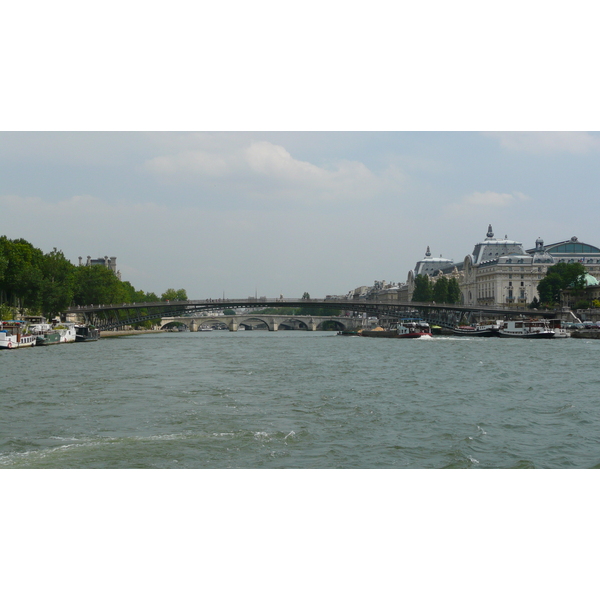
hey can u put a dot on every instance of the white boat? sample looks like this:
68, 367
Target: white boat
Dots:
559, 330
67, 333
529, 328
413, 329
14, 335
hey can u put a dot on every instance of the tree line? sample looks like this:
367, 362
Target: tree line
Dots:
444, 291
35, 282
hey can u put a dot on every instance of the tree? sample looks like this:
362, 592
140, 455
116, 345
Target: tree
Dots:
560, 277
440, 290
22, 277
423, 289
172, 294
58, 286
98, 285
306, 296
453, 291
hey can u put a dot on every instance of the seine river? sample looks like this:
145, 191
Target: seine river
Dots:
300, 400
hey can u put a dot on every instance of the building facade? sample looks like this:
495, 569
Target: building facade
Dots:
109, 263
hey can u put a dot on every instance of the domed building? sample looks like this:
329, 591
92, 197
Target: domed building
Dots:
430, 266
501, 272
571, 251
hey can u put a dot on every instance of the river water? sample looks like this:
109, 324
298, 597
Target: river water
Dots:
301, 400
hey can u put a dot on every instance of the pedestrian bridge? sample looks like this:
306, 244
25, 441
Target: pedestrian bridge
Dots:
270, 322
114, 316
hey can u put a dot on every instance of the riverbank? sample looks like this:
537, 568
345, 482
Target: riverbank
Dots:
104, 334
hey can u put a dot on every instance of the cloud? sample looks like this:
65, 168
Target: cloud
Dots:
486, 201
548, 142
269, 172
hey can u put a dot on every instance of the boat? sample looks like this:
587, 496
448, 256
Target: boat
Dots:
48, 338
86, 333
67, 333
43, 332
559, 330
14, 335
483, 329
413, 329
205, 328
403, 329
527, 329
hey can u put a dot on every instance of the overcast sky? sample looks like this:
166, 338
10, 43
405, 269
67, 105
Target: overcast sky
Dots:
285, 213
245, 198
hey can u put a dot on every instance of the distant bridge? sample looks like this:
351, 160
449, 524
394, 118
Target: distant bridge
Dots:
114, 316
270, 322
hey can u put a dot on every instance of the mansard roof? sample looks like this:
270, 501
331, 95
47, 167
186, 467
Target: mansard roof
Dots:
572, 247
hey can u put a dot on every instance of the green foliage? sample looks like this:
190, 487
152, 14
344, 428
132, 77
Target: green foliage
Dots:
453, 291
22, 273
423, 289
306, 296
560, 277
172, 294
535, 304
229, 311
440, 290
33, 282
98, 285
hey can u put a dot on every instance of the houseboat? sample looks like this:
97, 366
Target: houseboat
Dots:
86, 333
527, 329
14, 335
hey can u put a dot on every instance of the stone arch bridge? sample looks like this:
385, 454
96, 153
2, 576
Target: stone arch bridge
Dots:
271, 322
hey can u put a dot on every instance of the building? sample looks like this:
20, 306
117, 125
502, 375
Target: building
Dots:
430, 266
573, 250
500, 272
109, 263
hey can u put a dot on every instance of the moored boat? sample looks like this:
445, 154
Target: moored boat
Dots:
43, 332
86, 333
484, 329
559, 330
48, 338
15, 335
527, 329
67, 333
403, 329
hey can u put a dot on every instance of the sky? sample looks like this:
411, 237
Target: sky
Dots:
270, 213
257, 149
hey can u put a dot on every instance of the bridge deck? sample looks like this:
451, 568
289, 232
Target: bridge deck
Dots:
118, 315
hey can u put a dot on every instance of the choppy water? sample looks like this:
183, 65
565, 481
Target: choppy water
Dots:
301, 400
